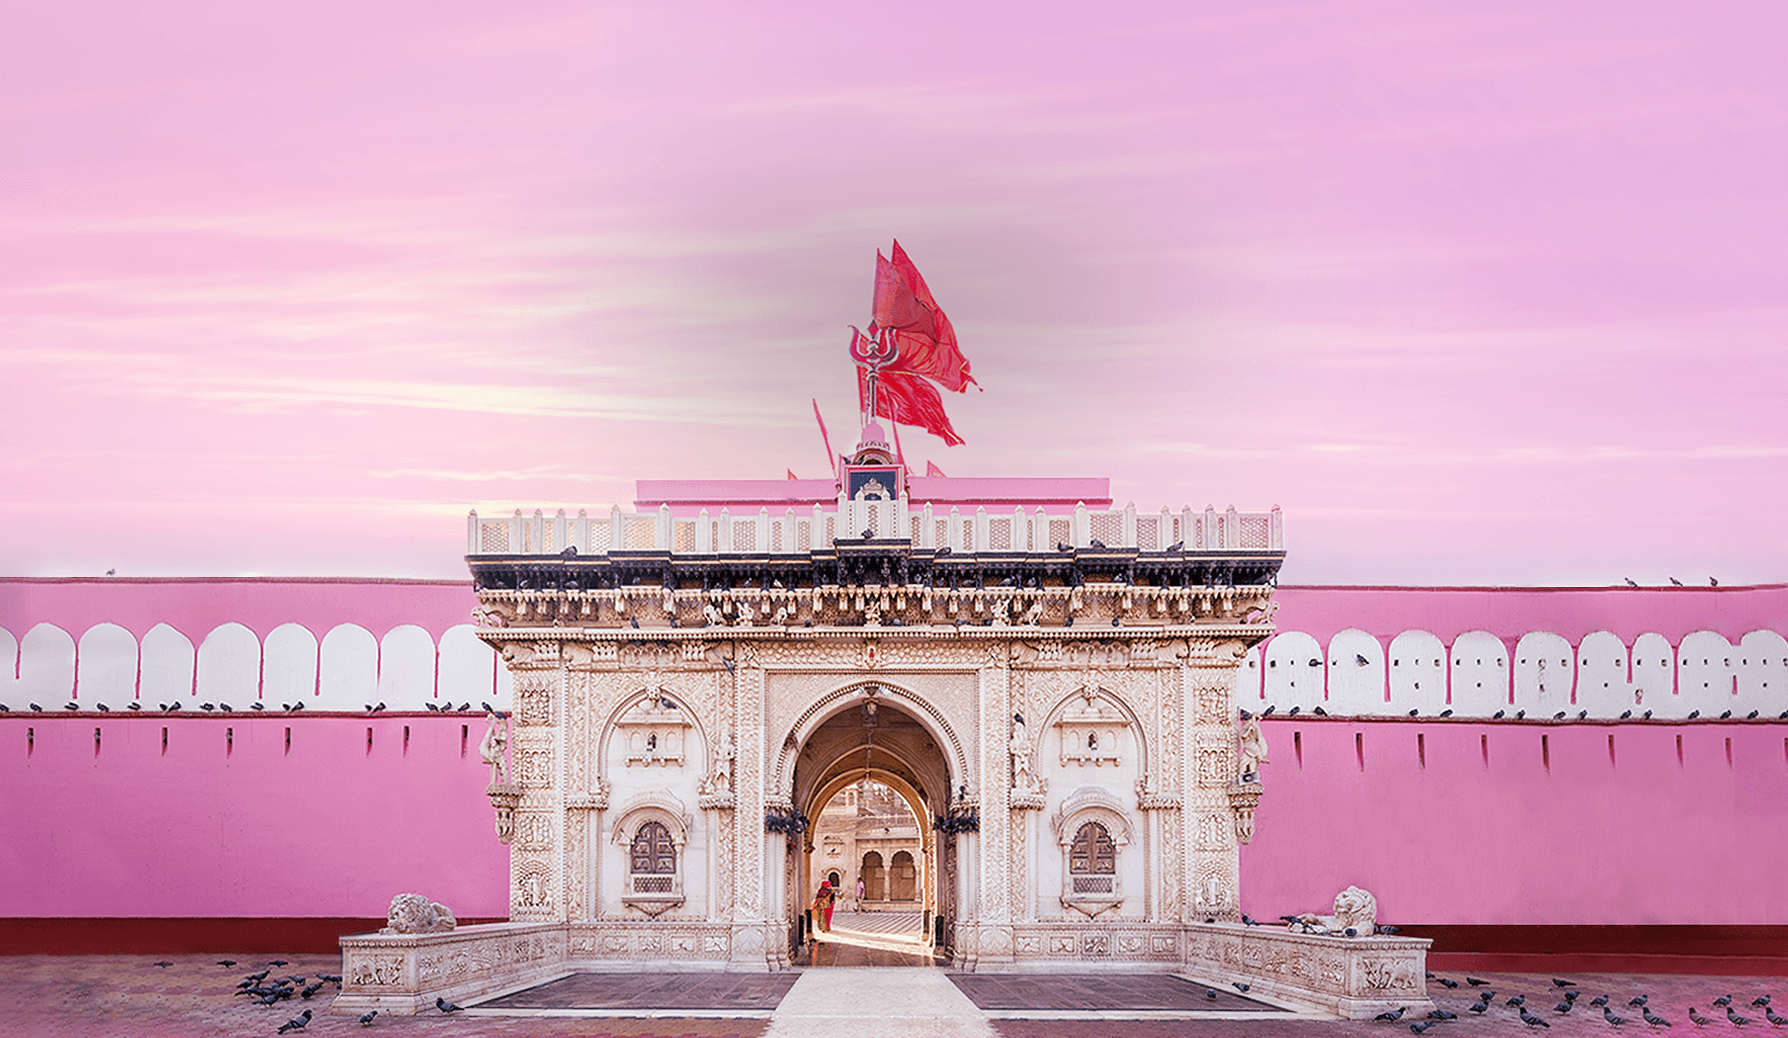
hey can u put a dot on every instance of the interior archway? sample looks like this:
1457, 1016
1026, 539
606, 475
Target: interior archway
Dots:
870, 738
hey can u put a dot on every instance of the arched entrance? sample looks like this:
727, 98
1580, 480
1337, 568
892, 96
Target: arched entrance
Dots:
875, 741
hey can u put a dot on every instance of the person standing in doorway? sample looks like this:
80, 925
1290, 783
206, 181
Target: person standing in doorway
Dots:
822, 906
861, 890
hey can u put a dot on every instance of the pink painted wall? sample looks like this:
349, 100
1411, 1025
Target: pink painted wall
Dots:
1509, 613
332, 830
329, 829
1639, 838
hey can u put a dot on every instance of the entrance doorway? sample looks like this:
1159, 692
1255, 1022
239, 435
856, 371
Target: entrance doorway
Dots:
870, 778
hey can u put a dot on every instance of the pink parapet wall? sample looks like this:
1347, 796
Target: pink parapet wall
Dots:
197, 605
1524, 824
229, 821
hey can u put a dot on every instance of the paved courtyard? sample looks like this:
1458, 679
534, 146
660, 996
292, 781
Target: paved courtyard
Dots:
56, 996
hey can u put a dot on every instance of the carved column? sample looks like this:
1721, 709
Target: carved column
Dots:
536, 857
1212, 860
994, 929
752, 943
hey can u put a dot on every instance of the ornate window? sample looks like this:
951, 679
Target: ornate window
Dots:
654, 859
1092, 860
652, 830
1094, 828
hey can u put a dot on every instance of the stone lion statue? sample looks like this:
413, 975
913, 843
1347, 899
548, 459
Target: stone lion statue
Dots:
413, 913
1356, 915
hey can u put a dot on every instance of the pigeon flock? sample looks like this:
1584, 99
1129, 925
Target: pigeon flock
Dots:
1637, 1010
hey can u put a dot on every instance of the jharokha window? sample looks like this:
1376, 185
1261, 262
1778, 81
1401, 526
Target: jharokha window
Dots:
1092, 855
654, 859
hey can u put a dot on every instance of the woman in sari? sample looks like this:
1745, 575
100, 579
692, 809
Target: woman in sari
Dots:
822, 905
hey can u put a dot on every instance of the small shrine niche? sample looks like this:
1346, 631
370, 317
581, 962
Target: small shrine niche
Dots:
1090, 730
654, 731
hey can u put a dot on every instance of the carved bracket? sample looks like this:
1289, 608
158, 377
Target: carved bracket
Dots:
1243, 798
504, 798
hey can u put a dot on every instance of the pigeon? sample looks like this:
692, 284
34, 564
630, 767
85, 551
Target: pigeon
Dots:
463, 707
104, 709
1533, 1021
1572, 996
1239, 986
311, 990
1735, 1018
226, 708
366, 1019
1268, 712
139, 706
633, 620
164, 964
1608, 1015
1760, 1001
1624, 714
1097, 543
258, 977
1441, 1014
1678, 583
1516, 1000
1697, 1018
1773, 1017
1476, 982
1396, 1014
431, 708
1418, 1028
1723, 1000
1448, 712
1631, 582
71, 705
277, 962
1210, 993
1559, 716
1498, 715
1562, 1007
1479, 1007
1599, 1000
1654, 1019
226, 963
448, 1007
1249, 921
1563, 983
1176, 546
38, 709
1293, 712
1319, 711
1638, 1000
1396, 930
207, 707
297, 1023
1448, 984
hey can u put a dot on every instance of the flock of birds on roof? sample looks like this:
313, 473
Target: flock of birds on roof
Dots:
1568, 994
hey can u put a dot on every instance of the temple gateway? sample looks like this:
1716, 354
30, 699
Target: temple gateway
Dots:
1047, 681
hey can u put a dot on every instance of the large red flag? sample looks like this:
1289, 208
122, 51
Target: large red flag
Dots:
909, 400
939, 358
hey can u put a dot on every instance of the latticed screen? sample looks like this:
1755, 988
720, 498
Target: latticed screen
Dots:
1256, 531
999, 534
1058, 532
1148, 537
1092, 853
493, 536
653, 852
1108, 527
641, 531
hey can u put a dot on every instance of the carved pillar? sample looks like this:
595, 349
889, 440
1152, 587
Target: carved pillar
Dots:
536, 857
994, 912
1212, 860
752, 943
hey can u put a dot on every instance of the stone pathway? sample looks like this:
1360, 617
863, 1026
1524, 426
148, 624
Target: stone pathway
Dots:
884, 1002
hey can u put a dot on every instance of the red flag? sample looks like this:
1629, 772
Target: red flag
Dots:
931, 469
930, 352
896, 304
791, 474
909, 400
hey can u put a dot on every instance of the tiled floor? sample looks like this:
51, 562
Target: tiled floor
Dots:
65, 996
868, 939
723, 992
1098, 993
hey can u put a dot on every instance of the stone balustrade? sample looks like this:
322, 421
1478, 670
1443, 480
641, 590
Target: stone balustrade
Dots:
798, 531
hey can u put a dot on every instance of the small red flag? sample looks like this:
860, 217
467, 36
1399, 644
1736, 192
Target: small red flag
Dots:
909, 400
931, 469
791, 474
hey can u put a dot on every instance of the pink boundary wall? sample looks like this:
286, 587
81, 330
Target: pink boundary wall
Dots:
1570, 835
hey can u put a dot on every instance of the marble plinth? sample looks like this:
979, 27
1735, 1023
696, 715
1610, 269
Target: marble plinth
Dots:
1355, 978
403, 974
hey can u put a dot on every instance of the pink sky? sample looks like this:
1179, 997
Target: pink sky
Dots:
1479, 294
